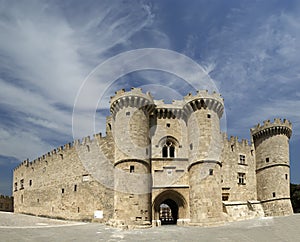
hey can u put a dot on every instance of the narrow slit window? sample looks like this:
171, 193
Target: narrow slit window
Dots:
131, 169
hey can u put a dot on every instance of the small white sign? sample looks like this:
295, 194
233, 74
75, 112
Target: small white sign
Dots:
98, 214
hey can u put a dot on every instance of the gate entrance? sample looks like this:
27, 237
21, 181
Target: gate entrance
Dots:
169, 206
168, 212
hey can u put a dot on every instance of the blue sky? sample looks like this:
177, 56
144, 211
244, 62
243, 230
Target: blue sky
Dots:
251, 49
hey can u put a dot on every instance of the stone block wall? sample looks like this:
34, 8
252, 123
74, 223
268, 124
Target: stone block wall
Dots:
6, 203
59, 185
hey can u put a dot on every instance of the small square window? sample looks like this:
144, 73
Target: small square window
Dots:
242, 159
225, 196
208, 116
168, 125
85, 178
127, 113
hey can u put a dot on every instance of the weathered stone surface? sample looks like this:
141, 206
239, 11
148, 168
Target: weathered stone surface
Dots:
156, 153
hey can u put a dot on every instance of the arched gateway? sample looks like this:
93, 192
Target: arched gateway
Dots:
170, 207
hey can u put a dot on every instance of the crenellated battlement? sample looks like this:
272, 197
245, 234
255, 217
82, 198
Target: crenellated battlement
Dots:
59, 151
203, 99
272, 128
133, 98
235, 141
204, 94
5, 197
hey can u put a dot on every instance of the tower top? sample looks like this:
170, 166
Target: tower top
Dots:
204, 99
133, 98
269, 128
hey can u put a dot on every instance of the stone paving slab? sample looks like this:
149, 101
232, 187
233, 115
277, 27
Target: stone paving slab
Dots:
16, 227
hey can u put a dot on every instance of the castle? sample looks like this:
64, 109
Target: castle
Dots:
161, 163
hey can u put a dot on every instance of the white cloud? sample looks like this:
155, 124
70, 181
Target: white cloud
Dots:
46, 51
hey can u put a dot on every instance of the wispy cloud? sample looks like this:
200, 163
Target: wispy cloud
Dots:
46, 51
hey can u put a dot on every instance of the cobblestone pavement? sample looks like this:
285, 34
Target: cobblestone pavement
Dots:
17, 227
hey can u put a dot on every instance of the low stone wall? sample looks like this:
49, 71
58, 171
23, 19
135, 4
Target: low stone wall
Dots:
6, 203
237, 210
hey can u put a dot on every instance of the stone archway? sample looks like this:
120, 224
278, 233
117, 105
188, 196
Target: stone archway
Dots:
170, 207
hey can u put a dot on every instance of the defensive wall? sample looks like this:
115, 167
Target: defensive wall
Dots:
156, 153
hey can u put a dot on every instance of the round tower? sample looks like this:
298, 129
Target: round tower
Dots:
132, 180
203, 112
271, 143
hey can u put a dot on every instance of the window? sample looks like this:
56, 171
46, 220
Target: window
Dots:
267, 159
211, 172
191, 146
30, 183
16, 186
172, 151
62, 190
168, 146
274, 194
168, 125
241, 178
127, 113
286, 176
225, 196
75, 188
85, 178
168, 150
22, 184
208, 116
131, 169
242, 159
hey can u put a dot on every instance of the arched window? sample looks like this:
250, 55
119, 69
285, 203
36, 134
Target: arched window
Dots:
168, 145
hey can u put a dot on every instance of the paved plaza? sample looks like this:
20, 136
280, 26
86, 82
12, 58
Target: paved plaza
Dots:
17, 227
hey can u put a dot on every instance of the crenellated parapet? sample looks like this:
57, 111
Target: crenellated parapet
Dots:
269, 129
165, 110
134, 98
203, 99
59, 152
234, 141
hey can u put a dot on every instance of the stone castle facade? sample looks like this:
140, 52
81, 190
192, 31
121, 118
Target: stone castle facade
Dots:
161, 163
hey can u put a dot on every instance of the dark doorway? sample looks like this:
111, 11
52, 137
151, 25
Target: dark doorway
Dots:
168, 213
